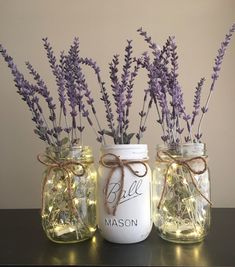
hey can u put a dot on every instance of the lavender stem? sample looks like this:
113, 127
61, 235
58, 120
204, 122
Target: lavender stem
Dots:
216, 69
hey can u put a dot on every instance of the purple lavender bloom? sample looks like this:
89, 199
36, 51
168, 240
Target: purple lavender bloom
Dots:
198, 137
83, 86
113, 66
91, 63
105, 96
152, 45
176, 93
220, 56
77, 88
197, 100
215, 75
159, 77
68, 129
164, 81
81, 128
118, 92
143, 62
74, 96
142, 113
127, 84
108, 109
127, 65
27, 93
160, 96
164, 138
58, 72
129, 91
42, 90
180, 131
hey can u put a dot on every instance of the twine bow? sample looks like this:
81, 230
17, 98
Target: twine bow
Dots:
66, 166
113, 165
168, 158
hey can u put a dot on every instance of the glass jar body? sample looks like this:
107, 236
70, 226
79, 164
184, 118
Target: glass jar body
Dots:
131, 222
69, 196
181, 193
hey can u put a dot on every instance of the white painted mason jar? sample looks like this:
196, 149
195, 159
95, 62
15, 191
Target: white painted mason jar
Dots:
124, 193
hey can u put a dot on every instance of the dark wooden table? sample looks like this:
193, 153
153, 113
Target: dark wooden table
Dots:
23, 242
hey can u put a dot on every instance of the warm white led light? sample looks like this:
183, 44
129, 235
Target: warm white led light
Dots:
178, 232
92, 229
165, 209
174, 166
91, 202
76, 201
59, 186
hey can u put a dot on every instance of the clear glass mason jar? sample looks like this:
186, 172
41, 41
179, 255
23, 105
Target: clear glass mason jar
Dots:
181, 193
69, 195
124, 193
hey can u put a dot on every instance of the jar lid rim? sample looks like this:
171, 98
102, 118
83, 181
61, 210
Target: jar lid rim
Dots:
124, 146
181, 145
141, 148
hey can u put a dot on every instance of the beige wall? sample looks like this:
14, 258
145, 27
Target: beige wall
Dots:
103, 27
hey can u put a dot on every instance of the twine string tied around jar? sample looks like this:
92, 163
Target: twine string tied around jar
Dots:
114, 164
67, 167
168, 158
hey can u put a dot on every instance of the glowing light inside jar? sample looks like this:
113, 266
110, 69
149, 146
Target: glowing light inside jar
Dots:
165, 209
174, 166
178, 232
76, 201
72, 229
59, 186
91, 202
92, 229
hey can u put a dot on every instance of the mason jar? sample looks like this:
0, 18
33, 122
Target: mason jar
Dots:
181, 193
124, 193
69, 194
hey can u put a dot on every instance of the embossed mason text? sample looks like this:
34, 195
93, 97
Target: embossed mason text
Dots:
121, 222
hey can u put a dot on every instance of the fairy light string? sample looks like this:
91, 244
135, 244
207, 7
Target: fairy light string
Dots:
67, 168
165, 157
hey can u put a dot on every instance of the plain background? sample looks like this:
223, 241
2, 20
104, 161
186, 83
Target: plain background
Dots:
103, 27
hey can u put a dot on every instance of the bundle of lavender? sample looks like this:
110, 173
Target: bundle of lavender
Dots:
65, 124
122, 93
167, 95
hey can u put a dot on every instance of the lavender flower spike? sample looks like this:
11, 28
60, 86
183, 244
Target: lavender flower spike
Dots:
127, 82
43, 91
197, 100
27, 92
105, 96
156, 49
70, 84
58, 73
215, 74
